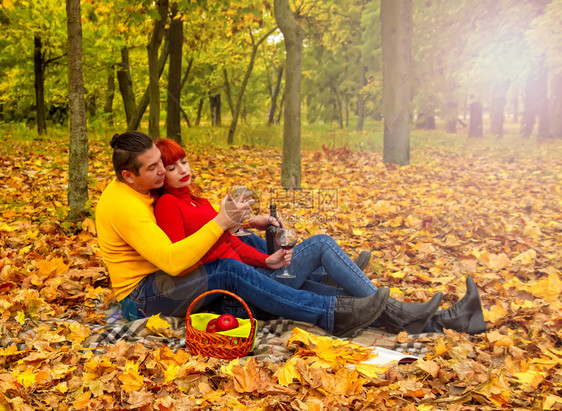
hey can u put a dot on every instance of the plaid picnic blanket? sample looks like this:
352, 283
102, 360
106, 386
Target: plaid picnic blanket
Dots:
271, 336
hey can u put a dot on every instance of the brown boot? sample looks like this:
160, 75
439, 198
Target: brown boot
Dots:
352, 313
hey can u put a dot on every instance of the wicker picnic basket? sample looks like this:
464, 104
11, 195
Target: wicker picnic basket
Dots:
222, 344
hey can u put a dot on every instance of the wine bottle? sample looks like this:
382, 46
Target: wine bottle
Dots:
271, 231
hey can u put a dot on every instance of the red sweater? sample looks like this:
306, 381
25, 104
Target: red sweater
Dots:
181, 214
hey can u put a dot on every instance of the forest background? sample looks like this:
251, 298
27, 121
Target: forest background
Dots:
482, 195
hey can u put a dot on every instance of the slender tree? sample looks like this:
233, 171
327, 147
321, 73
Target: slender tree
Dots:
396, 23
153, 68
293, 33
238, 106
126, 84
173, 118
78, 152
39, 65
108, 105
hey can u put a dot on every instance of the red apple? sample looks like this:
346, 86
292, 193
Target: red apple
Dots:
212, 325
226, 322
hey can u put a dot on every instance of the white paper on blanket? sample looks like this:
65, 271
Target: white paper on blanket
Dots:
385, 356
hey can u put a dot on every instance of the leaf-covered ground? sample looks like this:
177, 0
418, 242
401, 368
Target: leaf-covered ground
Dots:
475, 209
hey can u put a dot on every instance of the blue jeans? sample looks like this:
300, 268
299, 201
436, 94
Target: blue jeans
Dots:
168, 295
314, 278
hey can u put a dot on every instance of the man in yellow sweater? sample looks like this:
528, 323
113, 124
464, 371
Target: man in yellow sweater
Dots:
151, 275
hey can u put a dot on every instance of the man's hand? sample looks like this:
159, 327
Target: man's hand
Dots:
279, 259
262, 221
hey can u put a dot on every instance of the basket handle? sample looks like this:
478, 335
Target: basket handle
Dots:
253, 326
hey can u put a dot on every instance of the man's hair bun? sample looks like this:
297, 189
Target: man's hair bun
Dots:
113, 141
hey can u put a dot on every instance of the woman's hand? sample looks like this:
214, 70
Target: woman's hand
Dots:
232, 214
279, 259
262, 221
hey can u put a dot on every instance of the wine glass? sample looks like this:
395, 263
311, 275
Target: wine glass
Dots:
286, 238
244, 194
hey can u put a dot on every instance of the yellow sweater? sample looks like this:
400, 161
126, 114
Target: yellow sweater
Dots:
133, 246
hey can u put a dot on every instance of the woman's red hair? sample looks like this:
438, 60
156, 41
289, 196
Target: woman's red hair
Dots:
171, 151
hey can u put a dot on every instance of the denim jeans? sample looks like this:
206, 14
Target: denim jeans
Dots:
314, 278
322, 252
168, 295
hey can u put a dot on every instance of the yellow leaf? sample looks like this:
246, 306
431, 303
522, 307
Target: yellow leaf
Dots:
527, 257
358, 231
51, 267
370, 370
130, 378
495, 313
20, 317
530, 379
288, 373
78, 333
497, 390
398, 274
157, 324
397, 222
62, 387
7, 227
413, 222
171, 372
25, 250
550, 401
548, 288
26, 378
429, 367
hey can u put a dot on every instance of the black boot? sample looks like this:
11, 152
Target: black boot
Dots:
411, 317
352, 313
362, 260
465, 316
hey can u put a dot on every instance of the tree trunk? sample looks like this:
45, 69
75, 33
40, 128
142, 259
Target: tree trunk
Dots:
228, 92
535, 102
242, 90
215, 106
108, 105
542, 104
337, 103
346, 110
173, 118
293, 34
556, 107
396, 33
199, 111
134, 123
154, 76
497, 108
426, 120
78, 150
39, 66
451, 116
361, 100
281, 109
275, 95
516, 102
475, 127
126, 85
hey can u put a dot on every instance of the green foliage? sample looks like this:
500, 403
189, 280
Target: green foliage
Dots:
459, 48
